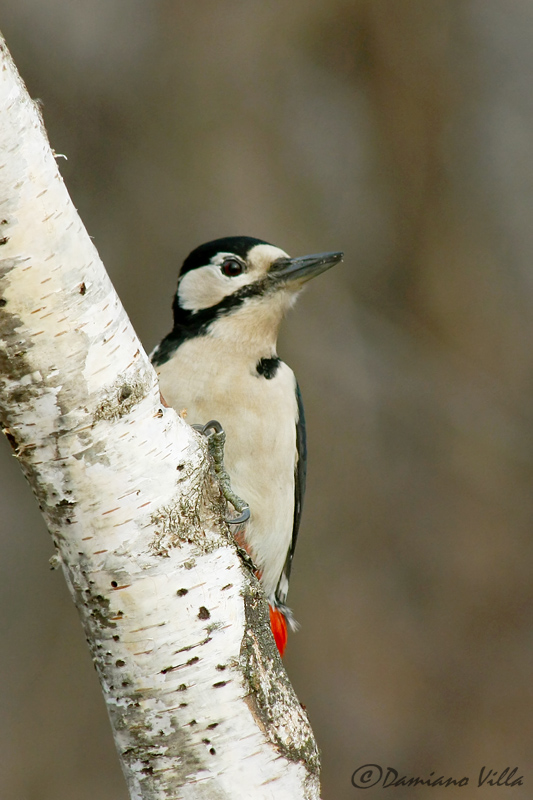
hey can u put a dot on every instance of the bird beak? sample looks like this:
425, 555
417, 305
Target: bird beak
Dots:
302, 269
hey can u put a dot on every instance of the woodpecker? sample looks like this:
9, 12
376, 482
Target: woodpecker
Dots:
220, 361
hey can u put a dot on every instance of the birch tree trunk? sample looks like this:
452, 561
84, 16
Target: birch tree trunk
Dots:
199, 701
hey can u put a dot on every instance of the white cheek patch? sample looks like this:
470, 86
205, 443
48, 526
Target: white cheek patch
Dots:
207, 286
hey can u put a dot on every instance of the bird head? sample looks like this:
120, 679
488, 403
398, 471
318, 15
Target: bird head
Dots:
239, 282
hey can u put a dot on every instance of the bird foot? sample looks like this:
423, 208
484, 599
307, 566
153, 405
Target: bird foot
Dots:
216, 438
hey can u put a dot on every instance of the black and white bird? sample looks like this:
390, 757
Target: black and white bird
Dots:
220, 361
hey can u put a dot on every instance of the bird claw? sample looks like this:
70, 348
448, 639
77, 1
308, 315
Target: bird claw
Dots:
243, 517
212, 424
216, 438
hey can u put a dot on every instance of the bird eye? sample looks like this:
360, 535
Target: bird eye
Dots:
231, 267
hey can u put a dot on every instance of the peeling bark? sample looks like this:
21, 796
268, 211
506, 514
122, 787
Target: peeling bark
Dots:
199, 701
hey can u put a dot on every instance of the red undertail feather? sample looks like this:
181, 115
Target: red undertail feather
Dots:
278, 624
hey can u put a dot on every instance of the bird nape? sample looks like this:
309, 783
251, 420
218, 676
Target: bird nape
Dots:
220, 362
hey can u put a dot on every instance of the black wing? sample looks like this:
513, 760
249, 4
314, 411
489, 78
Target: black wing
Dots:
300, 472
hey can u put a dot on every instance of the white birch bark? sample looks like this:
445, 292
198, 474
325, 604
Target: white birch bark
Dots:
199, 701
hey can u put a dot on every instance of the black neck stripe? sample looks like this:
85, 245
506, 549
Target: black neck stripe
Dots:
189, 324
267, 367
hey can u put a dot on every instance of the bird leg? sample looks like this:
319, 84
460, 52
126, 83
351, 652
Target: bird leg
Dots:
216, 438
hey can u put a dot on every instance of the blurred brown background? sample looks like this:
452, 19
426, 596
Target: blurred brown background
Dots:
400, 131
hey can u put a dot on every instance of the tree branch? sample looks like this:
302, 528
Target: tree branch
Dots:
199, 701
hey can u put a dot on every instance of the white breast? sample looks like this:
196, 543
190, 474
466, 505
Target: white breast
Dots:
212, 381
